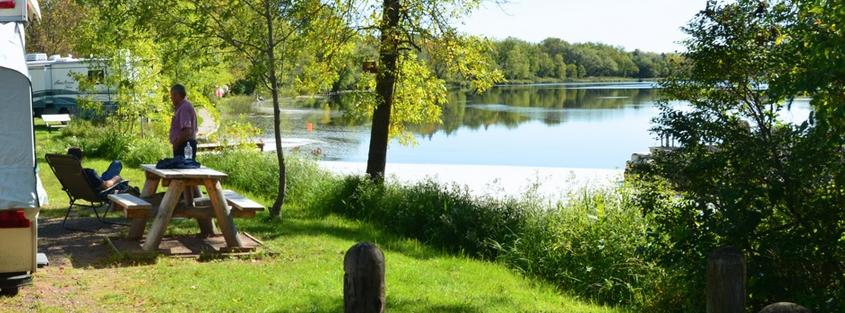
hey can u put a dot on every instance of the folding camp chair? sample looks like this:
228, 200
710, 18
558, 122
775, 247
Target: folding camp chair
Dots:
68, 170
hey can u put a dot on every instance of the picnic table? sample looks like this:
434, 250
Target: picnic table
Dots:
55, 120
183, 182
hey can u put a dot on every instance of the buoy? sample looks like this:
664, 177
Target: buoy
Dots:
309, 126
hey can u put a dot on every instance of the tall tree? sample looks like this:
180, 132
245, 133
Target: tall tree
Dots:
262, 30
57, 30
409, 26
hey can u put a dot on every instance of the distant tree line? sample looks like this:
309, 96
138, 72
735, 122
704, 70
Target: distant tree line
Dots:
550, 60
556, 59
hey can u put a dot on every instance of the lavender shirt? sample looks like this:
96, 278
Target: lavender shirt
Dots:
184, 117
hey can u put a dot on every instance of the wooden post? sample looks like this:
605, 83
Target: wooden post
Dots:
726, 281
785, 307
363, 279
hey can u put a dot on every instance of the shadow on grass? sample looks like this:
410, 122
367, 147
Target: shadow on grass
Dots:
44, 128
422, 306
321, 304
339, 228
90, 249
335, 304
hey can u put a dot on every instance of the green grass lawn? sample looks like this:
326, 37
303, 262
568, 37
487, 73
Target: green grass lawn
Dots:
307, 274
302, 274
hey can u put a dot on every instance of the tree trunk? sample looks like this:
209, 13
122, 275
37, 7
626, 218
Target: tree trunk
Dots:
385, 83
276, 209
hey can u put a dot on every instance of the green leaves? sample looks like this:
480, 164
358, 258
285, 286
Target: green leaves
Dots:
746, 177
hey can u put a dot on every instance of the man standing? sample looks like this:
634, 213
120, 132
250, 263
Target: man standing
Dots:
183, 125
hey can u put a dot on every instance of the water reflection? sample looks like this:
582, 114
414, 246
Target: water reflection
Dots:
577, 125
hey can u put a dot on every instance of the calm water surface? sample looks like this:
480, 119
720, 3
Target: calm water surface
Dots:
555, 125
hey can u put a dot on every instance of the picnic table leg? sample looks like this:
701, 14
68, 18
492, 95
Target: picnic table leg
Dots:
165, 212
205, 224
222, 212
136, 229
206, 227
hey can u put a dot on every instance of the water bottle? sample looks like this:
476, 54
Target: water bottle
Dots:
189, 152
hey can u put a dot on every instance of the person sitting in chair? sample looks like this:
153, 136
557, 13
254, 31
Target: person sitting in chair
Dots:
99, 182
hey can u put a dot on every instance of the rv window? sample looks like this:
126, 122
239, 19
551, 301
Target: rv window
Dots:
96, 75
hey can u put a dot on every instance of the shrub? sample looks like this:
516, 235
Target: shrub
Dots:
595, 246
444, 216
257, 172
146, 150
749, 178
100, 141
237, 105
251, 171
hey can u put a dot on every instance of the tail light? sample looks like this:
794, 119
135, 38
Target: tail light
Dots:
14, 219
7, 4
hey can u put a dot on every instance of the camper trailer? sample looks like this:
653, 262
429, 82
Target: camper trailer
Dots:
55, 83
20, 194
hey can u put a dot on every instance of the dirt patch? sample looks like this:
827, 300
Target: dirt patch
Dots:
86, 275
84, 247
72, 254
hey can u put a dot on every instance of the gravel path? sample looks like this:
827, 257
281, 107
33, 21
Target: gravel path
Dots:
208, 125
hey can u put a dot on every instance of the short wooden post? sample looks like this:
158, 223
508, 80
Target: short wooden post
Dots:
726, 281
363, 279
785, 307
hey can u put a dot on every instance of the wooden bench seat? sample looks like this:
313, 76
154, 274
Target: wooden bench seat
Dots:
128, 201
235, 200
240, 202
134, 207
186, 212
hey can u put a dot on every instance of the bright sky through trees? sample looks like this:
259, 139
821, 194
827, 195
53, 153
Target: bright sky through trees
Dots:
650, 25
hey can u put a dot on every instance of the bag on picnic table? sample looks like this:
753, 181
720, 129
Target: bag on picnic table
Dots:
177, 162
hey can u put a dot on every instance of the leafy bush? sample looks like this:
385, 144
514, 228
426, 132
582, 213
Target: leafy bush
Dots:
145, 151
99, 141
744, 176
258, 173
237, 105
238, 130
447, 217
251, 171
596, 246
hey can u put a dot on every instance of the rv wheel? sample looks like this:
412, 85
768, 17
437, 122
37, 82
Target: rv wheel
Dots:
9, 292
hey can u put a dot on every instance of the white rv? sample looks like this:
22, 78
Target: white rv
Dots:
20, 195
55, 83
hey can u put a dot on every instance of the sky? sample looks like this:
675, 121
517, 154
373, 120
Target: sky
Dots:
649, 25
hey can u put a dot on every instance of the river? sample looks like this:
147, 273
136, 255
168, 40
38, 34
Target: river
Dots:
578, 125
